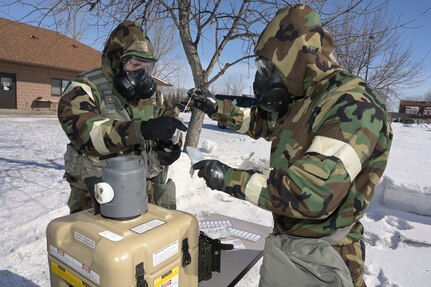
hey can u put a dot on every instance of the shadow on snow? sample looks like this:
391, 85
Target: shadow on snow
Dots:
51, 163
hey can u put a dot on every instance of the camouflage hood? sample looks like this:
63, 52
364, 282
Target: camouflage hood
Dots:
127, 39
300, 48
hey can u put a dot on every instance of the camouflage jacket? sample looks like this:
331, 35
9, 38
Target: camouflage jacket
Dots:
98, 121
331, 147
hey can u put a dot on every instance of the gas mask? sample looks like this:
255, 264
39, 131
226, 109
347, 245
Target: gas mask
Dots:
136, 83
269, 88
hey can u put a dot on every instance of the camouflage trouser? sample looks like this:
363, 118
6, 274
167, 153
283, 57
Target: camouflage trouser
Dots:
354, 257
79, 198
160, 192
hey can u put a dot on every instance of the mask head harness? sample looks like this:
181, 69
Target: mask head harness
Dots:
268, 87
133, 80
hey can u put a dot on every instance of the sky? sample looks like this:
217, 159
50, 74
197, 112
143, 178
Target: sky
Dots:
33, 192
416, 34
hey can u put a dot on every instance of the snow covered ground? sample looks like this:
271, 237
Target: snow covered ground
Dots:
33, 192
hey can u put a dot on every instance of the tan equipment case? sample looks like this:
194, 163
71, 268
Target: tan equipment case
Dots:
158, 248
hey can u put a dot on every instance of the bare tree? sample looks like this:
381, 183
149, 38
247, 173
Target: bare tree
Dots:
233, 84
69, 21
427, 96
368, 45
219, 25
165, 41
207, 29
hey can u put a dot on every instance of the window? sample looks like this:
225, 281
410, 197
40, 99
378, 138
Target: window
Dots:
412, 110
58, 86
6, 83
427, 112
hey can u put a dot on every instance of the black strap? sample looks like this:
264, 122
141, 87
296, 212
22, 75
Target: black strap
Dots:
216, 247
216, 256
224, 246
187, 259
140, 272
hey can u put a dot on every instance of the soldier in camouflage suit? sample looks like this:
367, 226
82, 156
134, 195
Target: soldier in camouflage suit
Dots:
117, 110
330, 140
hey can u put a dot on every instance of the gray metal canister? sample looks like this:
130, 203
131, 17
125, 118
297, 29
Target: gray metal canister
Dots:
127, 177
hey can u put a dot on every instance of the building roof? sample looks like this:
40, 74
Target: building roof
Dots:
161, 82
28, 44
415, 103
23, 43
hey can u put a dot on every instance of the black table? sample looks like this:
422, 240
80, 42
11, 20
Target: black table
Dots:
236, 263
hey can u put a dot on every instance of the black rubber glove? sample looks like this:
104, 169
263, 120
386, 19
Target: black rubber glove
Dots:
168, 152
213, 171
203, 100
161, 128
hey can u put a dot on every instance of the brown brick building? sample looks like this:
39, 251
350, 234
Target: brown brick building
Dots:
36, 64
414, 111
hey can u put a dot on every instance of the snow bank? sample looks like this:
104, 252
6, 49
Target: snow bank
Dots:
407, 197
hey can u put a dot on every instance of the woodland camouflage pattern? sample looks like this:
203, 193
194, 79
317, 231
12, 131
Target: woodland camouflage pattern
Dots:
91, 128
328, 151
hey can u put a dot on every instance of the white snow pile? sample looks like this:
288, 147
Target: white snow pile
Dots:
33, 192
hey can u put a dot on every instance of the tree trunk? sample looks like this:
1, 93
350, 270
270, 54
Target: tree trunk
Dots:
194, 129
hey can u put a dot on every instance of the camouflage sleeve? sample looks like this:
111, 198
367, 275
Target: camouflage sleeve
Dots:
167, 107
88, 130
164, 107
251, 121
353, 133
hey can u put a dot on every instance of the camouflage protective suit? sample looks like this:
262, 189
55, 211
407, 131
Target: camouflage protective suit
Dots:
100, 123
328, 150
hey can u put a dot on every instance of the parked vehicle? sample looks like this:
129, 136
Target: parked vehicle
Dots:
408, 122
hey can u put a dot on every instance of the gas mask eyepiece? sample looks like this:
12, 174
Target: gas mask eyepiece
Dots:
269, 88
133, 79
264, 67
